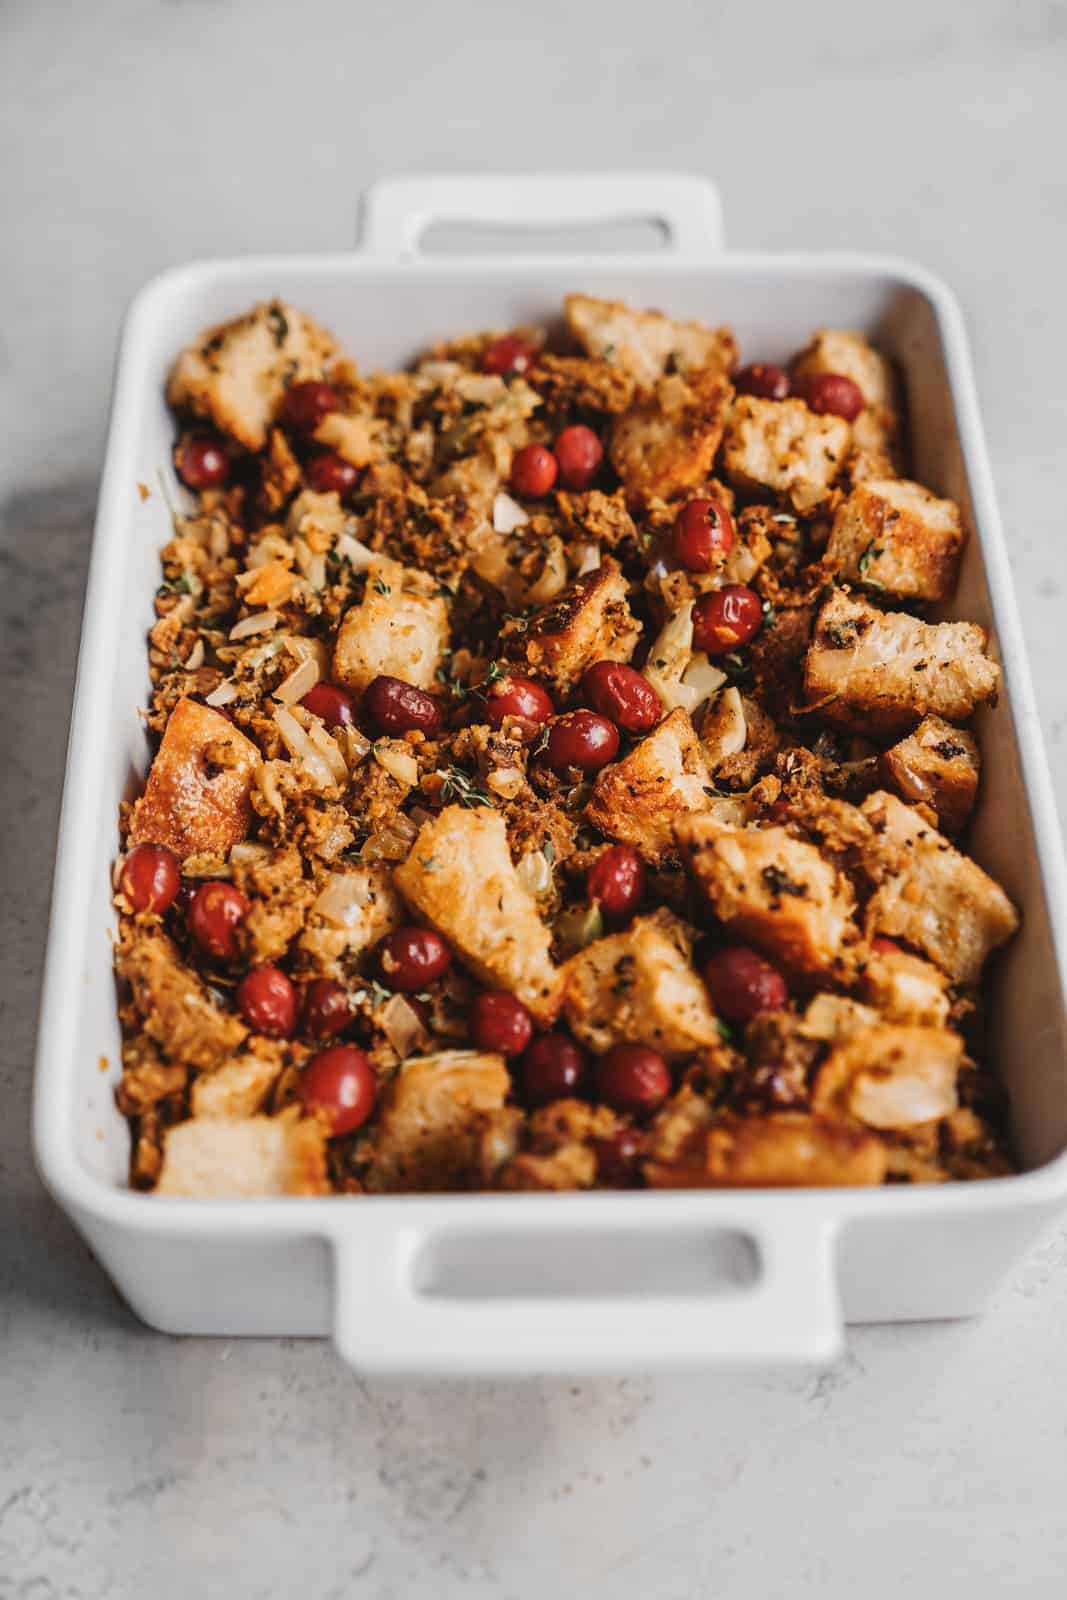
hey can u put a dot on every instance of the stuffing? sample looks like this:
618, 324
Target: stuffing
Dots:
896, 537
355, 908
938, 765
571, 1167
399, 628
574, 381
279, 897
664, 445
639, 799
781, 447
904, 987
782, 1150
196, 799
891, 1076
849, 355
646, 344
222, 1158
590, 621
239, 1088
430, 1122
175, 1007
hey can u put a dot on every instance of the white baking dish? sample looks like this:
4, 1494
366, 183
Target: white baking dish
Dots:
527, 1283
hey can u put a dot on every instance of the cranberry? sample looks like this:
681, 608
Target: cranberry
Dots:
396, 707
508, 355
327, 1009
584, 740
202, 462
618, 692
329, 473
305, 405
340, 1084
150, 878
517, 697
742, 983
216, 911
830, 393
533, 471
552, 1068
411, 958
764, 380
500, 1022
333, 704
726, 618
882, 946
616, 880
267, 1001
633, 1078
617, 1158
579, 453
703, 534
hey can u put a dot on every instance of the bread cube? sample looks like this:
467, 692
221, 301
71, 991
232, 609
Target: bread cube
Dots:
665, 443
431, 1119
894, 535
639, 799
590, 621
238, 1089
399, 628
774, 890
849, 355
929, 894
459, 876
176, 1009
222, 1159
939, 765
905, 988
354, 910
646, 344
640, 984
877, 671
781, 447
783, 1150
891, 1076
196, 799
235, 375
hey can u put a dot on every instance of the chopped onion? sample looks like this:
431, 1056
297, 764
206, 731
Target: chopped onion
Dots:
344, 897
534, 873
398, 761
328, 749
301, 749
258, 622
299, 681
351, 550
195, 658
402, 1025
680, 677
590, 559
507, 514
223, 695
553, 575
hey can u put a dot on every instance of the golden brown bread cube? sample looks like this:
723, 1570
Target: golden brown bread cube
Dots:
640, 985
431, 1119
572, 1166
354, 910
459, 876
905, 988
783, 1150
236, 374
772, 889
876, 671
645, 343
590, 621
399, 628
893, 535
851, 356
222, 1158
238, 1088
665, 443
196, 799
781, 447
639, 799
930, 895
937, 764
176, 1009
891, 1076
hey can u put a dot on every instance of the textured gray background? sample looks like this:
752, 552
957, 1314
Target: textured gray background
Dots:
133, 136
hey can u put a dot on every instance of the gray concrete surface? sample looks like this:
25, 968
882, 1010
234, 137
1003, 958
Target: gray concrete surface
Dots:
931, 1459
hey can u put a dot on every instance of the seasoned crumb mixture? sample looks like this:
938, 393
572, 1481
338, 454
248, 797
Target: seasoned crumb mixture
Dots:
558, 782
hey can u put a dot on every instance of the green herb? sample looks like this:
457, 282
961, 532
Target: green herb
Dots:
548, 850
380, 586
770, 615
182, 585
871, 553
726, 1033
376, 993
279, 326
429, 863
459, 788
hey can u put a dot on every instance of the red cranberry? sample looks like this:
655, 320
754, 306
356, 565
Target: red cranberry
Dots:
202, 462
551, 1069
396, 707
633, 1078
411, 958
216, 911
533, 471
327, 1009
616, 880
305, 405
267, 1001
340, 1085
742, 983
500, 1022
329, 473
517, 697
584, 740
703, 535
883, 946
830, 393
150, 878
333, 704
726, 618
618, 692
617, 1158
508, 355
764, 380
579, 453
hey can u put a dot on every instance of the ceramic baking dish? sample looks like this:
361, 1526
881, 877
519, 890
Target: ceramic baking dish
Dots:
528, 1283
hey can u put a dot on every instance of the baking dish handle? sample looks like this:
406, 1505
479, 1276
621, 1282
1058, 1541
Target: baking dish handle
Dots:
397, 212
386, 1323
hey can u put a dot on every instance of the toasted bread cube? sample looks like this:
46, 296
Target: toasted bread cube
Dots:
459, 876
890, 1076
849, 355
176, 1009
220, 1158
781, 446
644, 343
877, 671
905, 988
639, 799
937, 764
197, 796
431, 1120
896, 536
640, 985
665, 443
772, 889
930, 895
783, 1150
238, 1089
590, 621
355, 909
236, 374
357, 438
399, 628
573, 1166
